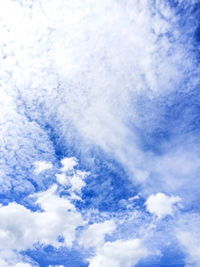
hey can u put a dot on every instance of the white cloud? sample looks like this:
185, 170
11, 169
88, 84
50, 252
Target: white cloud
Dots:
22, 265
41, 166
56, 51
161, 205
10, 258
3, 263
77, 183
96, 72
46, 46
74, 179
20, 228
94, 235
187, 233
68, 164
190, 241
126, 253
62, 179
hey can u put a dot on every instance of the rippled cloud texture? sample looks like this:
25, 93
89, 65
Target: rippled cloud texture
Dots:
99, 133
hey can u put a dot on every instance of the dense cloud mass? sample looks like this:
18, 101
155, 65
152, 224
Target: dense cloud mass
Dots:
99, 133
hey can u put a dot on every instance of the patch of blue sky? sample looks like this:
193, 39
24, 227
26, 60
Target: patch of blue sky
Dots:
107, 186
170, 256
48, 255
177, 117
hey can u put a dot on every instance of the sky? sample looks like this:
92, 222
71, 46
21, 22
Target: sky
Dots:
99, 133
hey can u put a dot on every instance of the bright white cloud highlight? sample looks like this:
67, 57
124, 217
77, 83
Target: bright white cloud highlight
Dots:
94, 235
41, 166
126, 253
71, 177
68, 164
77, 182
162, 205
20, 228
62, 179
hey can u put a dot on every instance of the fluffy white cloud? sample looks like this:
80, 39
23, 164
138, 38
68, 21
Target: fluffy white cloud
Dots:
62, 179
68, 164
126, 253
77, 182
94, 235
161, 205
20, 228
41, 166
74, 179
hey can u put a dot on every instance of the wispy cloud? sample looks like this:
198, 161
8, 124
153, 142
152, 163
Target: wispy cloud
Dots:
112, 86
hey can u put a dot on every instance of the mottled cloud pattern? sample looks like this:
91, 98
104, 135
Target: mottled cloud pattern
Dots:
99, 133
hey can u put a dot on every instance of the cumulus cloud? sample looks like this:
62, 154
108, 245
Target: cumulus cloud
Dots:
95, 234
161, 205
71, 178
125, 253
41, 166
20, 228
68, 164
117, 253
62, 179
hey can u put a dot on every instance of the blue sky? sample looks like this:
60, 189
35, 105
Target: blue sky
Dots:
99, 133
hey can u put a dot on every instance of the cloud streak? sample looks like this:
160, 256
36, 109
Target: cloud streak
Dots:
114, 84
